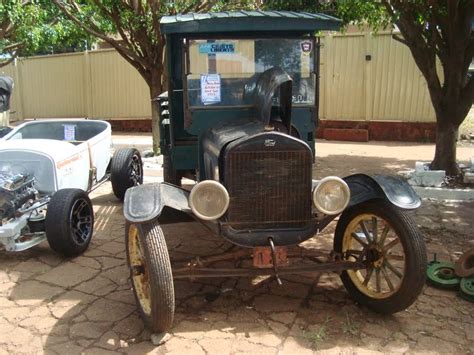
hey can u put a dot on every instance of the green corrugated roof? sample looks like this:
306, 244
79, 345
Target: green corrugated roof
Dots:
249, 21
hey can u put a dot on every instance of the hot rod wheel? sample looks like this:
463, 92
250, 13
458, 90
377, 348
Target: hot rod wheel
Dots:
442, 275
126, 170
69, 222
387, 240
150, 273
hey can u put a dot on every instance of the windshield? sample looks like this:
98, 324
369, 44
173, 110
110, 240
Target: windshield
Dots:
224, 72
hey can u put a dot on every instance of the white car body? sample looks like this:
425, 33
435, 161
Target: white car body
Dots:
59, 154
74, 163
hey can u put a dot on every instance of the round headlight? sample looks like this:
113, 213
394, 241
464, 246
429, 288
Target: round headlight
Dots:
331, 195
209, 200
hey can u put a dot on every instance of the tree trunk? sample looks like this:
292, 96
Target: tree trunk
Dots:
447, 35
451, 109
446, 140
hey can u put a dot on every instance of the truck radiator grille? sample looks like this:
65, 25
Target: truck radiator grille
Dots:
269, 189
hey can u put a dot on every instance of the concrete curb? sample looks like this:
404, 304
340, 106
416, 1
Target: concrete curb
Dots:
440, 193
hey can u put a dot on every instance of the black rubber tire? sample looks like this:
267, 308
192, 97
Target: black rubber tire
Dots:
413, 247
121, 171
170, 175
59, 227
157, 262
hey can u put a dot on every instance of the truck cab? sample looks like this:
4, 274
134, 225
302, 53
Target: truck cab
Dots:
214, 62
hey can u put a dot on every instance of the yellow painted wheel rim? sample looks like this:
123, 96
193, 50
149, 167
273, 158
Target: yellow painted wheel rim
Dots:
140, 279
372, 240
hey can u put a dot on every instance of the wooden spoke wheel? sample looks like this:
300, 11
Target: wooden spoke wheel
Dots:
388, 242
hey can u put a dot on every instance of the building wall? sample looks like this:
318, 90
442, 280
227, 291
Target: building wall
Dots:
364, 77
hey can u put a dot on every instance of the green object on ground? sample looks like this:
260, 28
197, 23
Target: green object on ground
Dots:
466, 289
441, 275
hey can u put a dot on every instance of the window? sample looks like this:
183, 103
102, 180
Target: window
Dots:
224, 72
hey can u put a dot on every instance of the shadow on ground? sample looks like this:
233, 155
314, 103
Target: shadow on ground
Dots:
343, 165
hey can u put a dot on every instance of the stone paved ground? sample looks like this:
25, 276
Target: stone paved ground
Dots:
85, 305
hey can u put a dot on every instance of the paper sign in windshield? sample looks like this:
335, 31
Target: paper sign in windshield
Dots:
212, 48
69, 132
210, 88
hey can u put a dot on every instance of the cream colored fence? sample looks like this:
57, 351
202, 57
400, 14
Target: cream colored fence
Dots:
97, 84
371, 77
363, 77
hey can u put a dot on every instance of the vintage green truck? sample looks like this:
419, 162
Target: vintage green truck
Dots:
239, 118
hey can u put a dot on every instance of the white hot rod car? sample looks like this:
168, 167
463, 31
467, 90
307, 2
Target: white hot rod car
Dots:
47, 169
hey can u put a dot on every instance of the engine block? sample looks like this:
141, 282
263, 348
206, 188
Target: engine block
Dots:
15, 191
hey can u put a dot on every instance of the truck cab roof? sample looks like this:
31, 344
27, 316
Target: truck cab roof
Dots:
248, 22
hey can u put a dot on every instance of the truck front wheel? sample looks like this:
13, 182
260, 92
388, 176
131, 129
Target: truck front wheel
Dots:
388, 242
150, 273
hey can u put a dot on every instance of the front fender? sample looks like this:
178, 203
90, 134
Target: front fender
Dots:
164, 201
392, 188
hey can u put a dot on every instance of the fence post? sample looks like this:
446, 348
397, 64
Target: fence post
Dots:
369, 87
323, 72
19, 115
87, 84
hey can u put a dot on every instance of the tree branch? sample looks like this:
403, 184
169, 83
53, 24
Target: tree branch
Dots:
423, 53
154, 7
8, 61
12, 47
7, 28
400, 39
91, 29
94, 30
